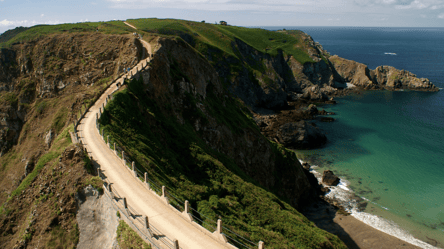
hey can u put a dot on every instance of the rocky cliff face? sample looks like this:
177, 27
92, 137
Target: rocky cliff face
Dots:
54, 66
262, 80
184, 80
383, 77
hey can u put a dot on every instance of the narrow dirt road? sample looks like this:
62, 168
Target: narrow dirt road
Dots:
142, 200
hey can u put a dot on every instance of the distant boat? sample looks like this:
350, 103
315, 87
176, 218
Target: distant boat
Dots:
390, 53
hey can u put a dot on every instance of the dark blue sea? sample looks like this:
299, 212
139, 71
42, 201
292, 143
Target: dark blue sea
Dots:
388, 146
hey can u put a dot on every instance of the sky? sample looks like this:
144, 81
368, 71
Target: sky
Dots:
363, 13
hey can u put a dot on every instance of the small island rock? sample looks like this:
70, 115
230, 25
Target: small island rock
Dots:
329, 178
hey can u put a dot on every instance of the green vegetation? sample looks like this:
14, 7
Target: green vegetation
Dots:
174, 155
8, 98
96, 182
59, 120
8, 35
60, 238
128, 238
203, 36
28, 34
59, 145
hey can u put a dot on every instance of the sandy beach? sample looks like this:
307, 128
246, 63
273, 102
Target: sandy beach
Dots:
354, 233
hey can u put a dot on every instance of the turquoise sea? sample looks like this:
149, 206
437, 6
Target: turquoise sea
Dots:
388, 146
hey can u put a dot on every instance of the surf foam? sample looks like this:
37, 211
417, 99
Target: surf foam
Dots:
347, 199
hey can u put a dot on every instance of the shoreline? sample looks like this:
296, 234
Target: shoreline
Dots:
361, 227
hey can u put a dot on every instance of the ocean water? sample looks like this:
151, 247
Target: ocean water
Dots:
388, 146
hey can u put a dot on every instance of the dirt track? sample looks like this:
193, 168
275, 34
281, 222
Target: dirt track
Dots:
142, 200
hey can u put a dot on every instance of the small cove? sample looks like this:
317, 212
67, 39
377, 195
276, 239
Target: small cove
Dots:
387, 146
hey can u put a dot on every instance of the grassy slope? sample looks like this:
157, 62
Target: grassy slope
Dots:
221, 37
35, 32
175, 156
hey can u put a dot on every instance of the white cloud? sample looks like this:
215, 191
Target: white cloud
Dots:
42, 15
323, 6
423, 4
441, 16
26, 23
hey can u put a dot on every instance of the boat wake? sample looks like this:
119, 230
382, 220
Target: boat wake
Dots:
390, 53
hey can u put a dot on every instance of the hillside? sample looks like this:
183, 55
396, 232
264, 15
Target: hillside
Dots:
194, 120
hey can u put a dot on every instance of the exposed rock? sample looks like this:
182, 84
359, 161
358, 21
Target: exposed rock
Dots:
300, 135
48, 138
97, 219
327, 119
314, 93
29, 167
382, 77
329, 178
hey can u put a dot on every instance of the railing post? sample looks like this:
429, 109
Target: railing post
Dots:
126, 207
187, 207
176, 244
98, 172
163, 191
261, 245
133, 166
123, 158
100, 110
219, 226
147, 226
114, 147
107, 140
110, 190
146, 180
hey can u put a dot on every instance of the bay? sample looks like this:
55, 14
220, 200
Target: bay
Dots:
387, 146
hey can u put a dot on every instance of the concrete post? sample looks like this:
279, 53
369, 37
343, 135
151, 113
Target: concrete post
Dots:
103, 106
125, 205
176, 244
146, 180
123, 157
98, 172
163, 191
114, 147
107, 140
187, 207
147, 226
110, 190
133, 166
97, 117
219, 226
100, 110
261, 245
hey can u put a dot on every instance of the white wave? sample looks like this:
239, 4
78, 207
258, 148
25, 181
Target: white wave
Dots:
390, 53
346, 198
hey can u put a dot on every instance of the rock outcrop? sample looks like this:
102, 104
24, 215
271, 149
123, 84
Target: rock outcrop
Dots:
300, 135
383, 77
329, 178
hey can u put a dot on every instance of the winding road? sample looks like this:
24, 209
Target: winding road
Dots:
142, 200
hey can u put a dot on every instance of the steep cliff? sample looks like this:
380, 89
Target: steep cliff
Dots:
56, 66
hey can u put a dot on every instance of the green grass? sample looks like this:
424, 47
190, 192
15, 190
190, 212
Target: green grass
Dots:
28, 34
203, 36
60, 238
61, 142
128, 238
174, 155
